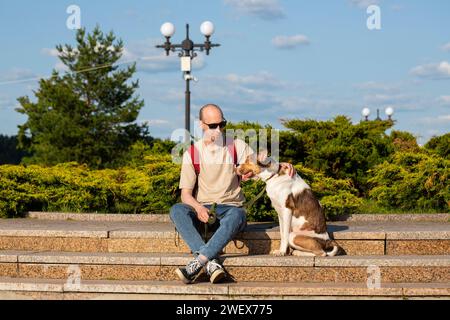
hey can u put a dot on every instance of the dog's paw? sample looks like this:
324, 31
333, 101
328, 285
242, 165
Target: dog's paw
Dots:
278, 253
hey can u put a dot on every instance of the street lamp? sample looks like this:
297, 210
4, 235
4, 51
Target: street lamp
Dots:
389, 112
187, 51
378, 115
366, 113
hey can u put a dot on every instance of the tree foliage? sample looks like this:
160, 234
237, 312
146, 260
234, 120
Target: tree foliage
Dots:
440, 145
341, 149
8, 150
412, 181
86, 114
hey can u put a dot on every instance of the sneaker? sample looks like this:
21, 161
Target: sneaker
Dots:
215, 271
189, 273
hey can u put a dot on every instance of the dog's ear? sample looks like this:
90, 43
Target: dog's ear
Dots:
262, 156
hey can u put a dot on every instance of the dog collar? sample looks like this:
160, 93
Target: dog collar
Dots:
274, 174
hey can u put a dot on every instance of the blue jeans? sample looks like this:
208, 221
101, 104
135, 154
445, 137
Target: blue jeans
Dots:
232, 220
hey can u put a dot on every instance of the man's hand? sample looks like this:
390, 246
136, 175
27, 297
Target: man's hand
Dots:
203, 214
290, 169
248, 176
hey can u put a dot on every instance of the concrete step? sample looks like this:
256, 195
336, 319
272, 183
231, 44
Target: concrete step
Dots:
380, 217
242, 268
17, 288
357, 238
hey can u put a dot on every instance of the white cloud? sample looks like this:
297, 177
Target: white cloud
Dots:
51, 52
397, 7
446, 47
156, 122
373, 86
148, 58
290, 42
364, 3
440, 119
5, 103
405, 101
261, 79
444, 118
17, 74
380, 98
444, 100
433, 70
264, 9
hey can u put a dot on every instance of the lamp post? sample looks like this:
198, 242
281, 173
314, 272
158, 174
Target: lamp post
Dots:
389, 112
187, 52
366, 113
378, 115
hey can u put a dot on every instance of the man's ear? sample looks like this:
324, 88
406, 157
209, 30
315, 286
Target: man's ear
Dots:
262, 155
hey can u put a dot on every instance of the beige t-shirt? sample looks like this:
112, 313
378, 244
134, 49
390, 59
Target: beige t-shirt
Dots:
217, 181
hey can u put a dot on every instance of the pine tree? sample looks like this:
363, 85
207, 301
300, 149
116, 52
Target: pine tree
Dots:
88, 113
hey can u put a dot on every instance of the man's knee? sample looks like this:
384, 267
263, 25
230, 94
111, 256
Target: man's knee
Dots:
179, 209
238, 215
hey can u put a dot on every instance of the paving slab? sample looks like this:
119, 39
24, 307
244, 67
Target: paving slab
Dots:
234, 290
383, 261
239, 260
143, 229
164, 217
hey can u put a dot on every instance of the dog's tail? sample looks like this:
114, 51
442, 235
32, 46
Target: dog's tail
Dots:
335, 248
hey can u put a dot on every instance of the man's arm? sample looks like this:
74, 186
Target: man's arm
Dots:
202, 211
285, 165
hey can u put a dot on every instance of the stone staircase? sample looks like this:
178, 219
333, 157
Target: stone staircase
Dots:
61, 256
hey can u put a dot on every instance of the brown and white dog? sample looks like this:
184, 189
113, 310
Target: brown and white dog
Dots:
301, 217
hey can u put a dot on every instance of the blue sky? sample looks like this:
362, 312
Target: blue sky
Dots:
278, 59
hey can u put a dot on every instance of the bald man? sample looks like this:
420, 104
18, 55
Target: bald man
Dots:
218, 183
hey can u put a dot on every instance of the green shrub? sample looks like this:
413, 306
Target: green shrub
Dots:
70, 186
146, 188
440, 145
337, 196
341, 149
412, 181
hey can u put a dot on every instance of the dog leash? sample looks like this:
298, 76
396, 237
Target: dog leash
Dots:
211, 220
250, 203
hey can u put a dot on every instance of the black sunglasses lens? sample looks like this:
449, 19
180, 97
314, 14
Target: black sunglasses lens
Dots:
215, 125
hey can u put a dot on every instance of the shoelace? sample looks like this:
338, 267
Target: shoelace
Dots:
193, 266
213, 266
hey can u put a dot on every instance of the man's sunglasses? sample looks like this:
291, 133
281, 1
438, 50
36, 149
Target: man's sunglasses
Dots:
215, 125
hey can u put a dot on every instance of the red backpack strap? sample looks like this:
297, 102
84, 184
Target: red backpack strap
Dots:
195, 157
233, 152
